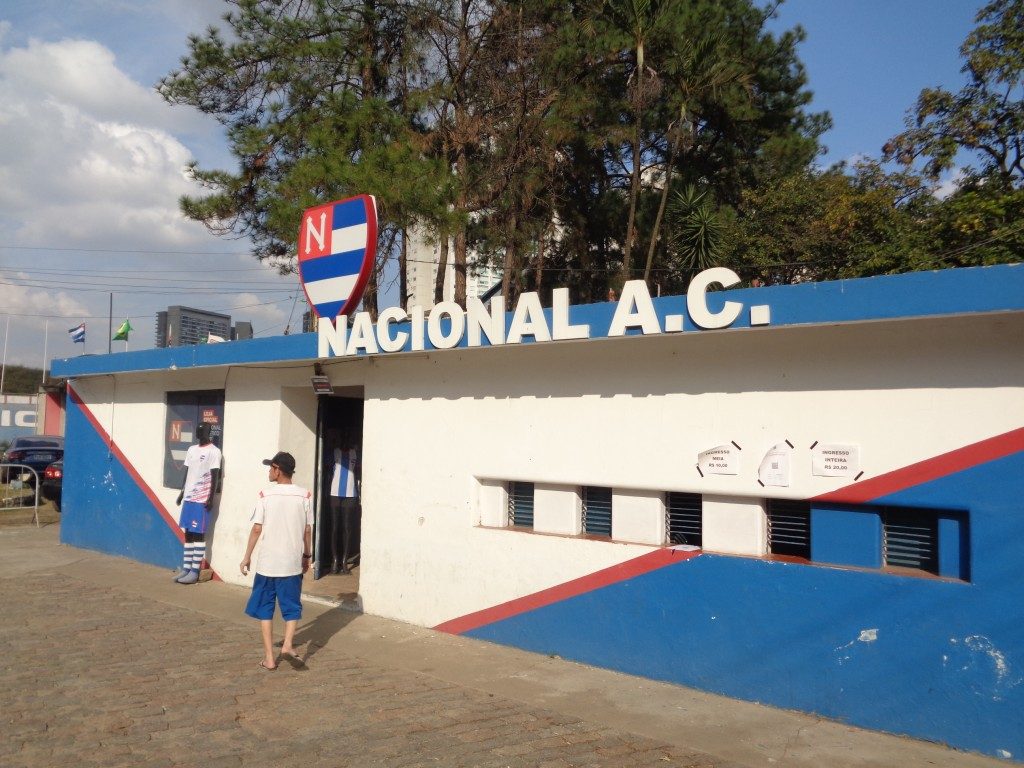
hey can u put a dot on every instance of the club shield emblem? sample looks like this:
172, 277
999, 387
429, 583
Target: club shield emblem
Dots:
337, 248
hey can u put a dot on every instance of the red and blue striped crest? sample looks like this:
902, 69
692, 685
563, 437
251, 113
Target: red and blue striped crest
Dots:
337, 247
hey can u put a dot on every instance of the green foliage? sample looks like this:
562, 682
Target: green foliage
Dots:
537, 132
697, 231
981, 223
986, 117
826, 225
310, 96
19, 380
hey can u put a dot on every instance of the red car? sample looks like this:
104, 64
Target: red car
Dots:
53, 480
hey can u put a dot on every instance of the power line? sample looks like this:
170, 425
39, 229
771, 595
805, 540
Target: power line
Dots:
145, 289
139, 251
138, 317
128, 270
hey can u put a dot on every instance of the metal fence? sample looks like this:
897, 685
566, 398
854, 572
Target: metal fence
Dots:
19, 489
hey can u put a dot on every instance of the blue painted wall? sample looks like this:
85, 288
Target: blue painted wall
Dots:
935, 659
845, 535
103, 508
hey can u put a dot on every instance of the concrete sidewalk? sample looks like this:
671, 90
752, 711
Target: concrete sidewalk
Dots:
107, 662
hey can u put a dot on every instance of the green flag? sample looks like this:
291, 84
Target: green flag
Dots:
122, 332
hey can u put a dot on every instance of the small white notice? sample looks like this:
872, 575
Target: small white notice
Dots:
774, 469
831, 460
720, 460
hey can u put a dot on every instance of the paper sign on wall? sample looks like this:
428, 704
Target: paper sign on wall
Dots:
720, 460
830, 460
774, 469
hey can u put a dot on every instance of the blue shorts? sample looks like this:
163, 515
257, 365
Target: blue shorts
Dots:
193, 517
286, 590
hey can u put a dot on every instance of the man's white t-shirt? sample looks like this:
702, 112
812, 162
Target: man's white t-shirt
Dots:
284, 511
200, 459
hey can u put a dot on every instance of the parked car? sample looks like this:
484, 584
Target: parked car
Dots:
35, 451
53, 479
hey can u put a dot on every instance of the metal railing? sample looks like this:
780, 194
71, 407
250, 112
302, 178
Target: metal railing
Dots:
12, 489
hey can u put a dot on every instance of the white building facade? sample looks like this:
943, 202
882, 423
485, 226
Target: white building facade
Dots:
807, 496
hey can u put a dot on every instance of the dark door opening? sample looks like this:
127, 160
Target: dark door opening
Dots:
337, 531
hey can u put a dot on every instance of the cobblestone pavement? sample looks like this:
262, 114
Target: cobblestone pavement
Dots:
96, 676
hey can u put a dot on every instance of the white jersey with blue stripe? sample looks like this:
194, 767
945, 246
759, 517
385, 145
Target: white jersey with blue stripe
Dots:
343, 479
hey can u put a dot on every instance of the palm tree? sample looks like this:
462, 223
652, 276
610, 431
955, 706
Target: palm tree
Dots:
705, 71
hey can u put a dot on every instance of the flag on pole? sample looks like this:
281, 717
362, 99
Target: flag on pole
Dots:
214, 338
77, 334
122, 332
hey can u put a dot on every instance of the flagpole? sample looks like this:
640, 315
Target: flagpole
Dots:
3, 366
46, 340
110, 326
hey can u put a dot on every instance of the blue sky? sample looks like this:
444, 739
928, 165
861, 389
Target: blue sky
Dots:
867, 60
91, 158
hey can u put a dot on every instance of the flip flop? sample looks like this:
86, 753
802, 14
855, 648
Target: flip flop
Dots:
269, 669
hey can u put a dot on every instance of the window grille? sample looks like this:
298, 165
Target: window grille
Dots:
520, 505
683, 518
597, 510
789, 527
911, 539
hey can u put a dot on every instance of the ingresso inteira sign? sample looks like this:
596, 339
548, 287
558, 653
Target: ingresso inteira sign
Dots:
448, 325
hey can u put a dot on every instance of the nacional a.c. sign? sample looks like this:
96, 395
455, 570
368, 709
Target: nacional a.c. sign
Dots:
448, 325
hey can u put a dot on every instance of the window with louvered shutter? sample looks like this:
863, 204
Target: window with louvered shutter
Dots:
789, 527
683, 518
597, 510
520, 505
910, 539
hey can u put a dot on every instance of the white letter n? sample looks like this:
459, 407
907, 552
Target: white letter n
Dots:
312, 232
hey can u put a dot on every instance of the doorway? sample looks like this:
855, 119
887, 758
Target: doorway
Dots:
339, 429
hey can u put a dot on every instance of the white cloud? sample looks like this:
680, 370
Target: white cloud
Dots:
89, 156
950, 184
262, 315
91, 169
31, 301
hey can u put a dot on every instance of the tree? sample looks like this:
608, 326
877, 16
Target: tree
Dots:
510, 128
986, 117
311, 96
724, 121
978, 224
827, 225
21, 380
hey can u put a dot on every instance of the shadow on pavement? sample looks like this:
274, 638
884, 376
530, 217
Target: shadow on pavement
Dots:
316, 634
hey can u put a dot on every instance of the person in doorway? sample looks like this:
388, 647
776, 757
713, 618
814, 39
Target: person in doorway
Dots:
282, 523
202, 478
344, 496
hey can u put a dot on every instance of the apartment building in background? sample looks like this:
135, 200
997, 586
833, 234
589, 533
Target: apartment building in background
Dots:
180, 326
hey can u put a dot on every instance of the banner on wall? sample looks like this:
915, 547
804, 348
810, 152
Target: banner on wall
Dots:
720, 460
832, 460
774, 469
185, 412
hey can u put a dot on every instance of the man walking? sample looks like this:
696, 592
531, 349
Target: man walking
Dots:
282, 522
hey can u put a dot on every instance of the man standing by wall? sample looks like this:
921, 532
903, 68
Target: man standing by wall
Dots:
344, 503
283, 524
202, 475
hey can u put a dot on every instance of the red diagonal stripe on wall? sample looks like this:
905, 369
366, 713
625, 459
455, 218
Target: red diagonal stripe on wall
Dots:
942, 465
934, 468
616, 573
129, 468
